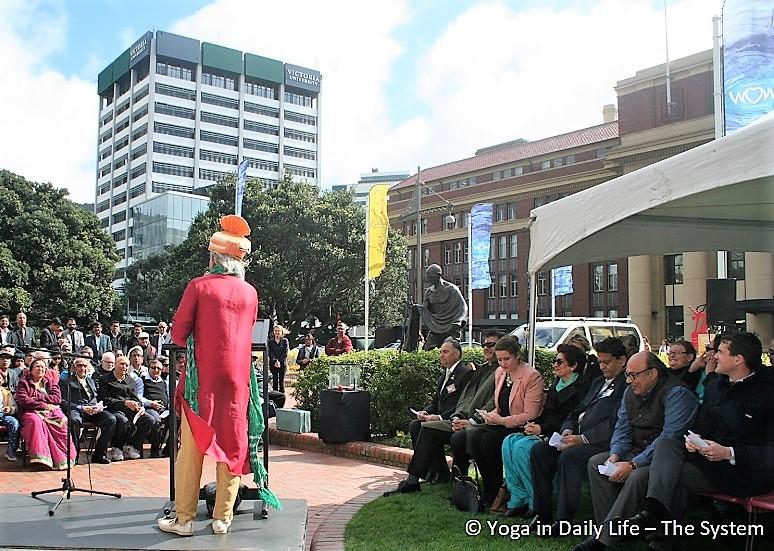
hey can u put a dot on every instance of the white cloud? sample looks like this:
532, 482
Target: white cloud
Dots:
497, 74
48, 119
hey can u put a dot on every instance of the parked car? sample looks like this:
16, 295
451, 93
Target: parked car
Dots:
551, 333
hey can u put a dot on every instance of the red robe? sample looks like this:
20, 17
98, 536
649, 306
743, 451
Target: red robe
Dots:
219, 310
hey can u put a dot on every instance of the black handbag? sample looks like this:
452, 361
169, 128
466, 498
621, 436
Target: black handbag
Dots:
465, 493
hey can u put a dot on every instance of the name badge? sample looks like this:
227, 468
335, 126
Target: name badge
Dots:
451, 388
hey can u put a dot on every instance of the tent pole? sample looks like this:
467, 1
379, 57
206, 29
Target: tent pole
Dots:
532, 316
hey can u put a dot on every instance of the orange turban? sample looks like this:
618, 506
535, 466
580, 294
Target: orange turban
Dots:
232, 240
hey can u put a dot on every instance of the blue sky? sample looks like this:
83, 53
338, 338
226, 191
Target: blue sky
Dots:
405, 83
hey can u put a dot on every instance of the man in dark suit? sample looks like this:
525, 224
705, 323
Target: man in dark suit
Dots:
49, 335
448, 391
23, 336
585, 432
79, 401
98, 341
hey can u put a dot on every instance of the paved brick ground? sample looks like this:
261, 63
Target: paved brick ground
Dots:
334, 487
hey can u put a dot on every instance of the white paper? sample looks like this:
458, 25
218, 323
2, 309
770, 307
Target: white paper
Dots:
164, 414
139, 414
555, 440
412, 410
99, 406
607, 469
481, 411
696, 440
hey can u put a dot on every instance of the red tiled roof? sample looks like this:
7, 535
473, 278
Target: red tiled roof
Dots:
518, 152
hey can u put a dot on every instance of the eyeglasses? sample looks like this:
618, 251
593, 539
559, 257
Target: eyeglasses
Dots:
559, 361
634, 374
155, 367
489, 344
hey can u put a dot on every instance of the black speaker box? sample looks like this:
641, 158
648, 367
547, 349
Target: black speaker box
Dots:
345, 416
721, 301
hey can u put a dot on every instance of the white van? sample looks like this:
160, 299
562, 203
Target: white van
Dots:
551, 333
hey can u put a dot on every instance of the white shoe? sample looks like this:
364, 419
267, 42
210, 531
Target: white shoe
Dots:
220, 526
131, 453
170, 525
116, 455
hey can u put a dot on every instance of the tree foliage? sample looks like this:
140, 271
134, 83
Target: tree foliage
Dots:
55, 259
307, 258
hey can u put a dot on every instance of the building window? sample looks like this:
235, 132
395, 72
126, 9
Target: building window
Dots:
138, 171
257, 145
673, 269
503, 285
465, 253
172, 130
218, 157
220, 101
447, 254
450, 224
735, 261
174, 170
598, 272
260, 90
542, 284
492, 290
300, 118
214, 137
501, 213
219, 81
511, 211
299, 153
174, 71
426, 257
119, 235
545, 165
299, 99
300, 136
503, 246
222, 120
492, 248
120, 216
424, 226
410, 258
612, 277
514, 246
514, 285
261, 127
175, 111
458, 252
170, 149
262, 164
212, 175
176, 92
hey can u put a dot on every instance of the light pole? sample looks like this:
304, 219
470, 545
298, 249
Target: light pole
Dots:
448, 218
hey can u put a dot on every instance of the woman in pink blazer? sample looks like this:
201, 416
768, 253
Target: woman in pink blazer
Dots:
519, 394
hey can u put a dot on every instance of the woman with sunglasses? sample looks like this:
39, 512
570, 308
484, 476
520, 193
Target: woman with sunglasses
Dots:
706, 363
566, 392
518, 398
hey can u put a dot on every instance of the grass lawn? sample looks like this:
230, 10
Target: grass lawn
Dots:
427, 521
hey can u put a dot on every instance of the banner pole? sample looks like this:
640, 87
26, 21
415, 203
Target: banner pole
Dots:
367, 286
470, 279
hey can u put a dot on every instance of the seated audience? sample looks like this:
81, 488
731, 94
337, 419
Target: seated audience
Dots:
118, 391
56, 362
736, 424
705, 364
592, 370
560, 400
106, 365
448, 389
656, 406
429, 457
585, 432
81, 406
43, 424
7, 411
10, 375
155, 400
681, 355
518, 398
631, 344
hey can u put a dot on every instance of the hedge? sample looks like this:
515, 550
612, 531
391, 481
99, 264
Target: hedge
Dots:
396, 380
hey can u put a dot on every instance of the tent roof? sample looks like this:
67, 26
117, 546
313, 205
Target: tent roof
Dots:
718, 196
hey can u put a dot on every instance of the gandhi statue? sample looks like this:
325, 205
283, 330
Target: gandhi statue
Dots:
442, 312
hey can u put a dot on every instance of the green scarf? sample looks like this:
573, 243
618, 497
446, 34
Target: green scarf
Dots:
560, 384
255, 421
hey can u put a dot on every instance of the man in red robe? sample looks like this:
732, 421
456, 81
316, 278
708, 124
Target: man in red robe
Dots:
218, 310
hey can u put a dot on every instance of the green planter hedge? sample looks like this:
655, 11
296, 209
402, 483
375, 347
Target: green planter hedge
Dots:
397, 381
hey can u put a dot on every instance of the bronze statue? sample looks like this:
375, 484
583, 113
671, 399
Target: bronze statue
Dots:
442, 313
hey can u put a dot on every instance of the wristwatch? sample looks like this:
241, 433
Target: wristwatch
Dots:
633, 465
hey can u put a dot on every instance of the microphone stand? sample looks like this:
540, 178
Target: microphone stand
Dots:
68, 486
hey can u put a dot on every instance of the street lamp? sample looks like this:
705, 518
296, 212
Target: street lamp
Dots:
449, 218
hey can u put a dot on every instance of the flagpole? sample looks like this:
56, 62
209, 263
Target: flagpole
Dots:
367, 286
553, 297
470, 279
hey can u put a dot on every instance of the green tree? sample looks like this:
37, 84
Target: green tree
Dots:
307, 259
55, 259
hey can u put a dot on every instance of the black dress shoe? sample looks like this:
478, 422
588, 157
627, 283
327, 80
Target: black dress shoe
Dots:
645, 519
100, 459
590, 544
404, 488
155, 454
516, 512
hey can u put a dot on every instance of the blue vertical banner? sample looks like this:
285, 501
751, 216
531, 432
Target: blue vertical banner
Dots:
481, 231
240, 187
562, 281
748, 61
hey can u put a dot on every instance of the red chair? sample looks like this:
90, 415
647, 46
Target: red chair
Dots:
752, 505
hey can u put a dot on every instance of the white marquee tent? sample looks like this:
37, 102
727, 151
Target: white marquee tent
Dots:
718, 196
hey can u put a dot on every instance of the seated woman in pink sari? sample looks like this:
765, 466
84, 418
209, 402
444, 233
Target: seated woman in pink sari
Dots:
44, 425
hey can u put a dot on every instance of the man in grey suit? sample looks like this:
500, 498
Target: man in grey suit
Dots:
74, 336
585, 433
98, 341
23, 336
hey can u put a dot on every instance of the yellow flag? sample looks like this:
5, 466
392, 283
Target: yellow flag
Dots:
378, 223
